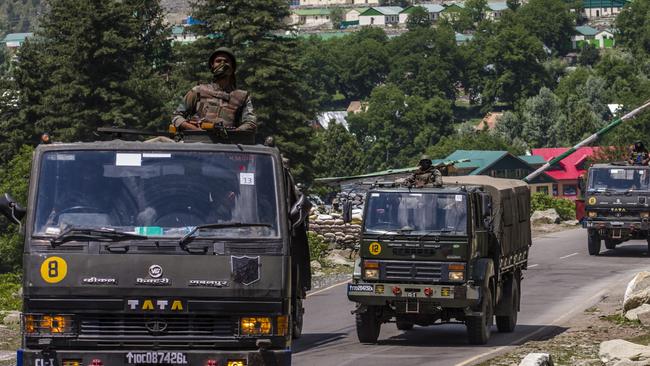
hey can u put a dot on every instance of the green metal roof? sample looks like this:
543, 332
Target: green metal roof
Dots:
360, 10
177, 29
430, 8
479, 159
532, 159
370, 12
586, 30
313, 12
17, 37
589, 4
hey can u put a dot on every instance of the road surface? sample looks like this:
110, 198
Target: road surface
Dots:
562, 280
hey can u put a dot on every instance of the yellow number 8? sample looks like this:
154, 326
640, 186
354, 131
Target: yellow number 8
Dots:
54, 269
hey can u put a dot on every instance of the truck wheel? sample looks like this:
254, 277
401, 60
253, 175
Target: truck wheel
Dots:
368, 325
593, 243
507, 323
403, 325
478, 327
610, 243
297, 319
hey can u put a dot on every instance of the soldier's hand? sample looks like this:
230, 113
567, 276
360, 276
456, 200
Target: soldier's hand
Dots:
191, 125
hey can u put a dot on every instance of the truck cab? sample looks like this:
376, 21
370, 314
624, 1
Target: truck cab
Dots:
617, 205
442, 254
161, 253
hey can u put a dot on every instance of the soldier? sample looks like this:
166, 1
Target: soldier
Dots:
220, 101
424, 175
638, 154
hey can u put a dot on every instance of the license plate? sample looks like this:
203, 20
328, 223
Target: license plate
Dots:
617, 223
156, 358
411, 294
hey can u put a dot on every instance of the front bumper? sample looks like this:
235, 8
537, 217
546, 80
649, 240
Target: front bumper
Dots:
631, 225
150, 357
445, 296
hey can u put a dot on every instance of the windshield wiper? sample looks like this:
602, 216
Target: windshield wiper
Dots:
435, 232
190, 236
76, 233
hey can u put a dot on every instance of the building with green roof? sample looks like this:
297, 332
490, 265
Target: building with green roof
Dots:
310, 17
592, 9
585, 34
15, 40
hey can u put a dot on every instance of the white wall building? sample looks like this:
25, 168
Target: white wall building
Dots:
310, 17
433, 10
380, 16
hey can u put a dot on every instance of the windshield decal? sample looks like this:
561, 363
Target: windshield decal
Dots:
156, 155
247, 179
124, 159
459, 198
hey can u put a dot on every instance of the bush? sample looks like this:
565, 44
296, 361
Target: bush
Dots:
10, 284
318, 248
564, 207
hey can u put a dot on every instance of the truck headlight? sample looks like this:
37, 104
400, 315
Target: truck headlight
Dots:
592, 214
46, 324
456, 276
371, 270
260, 325
645, 215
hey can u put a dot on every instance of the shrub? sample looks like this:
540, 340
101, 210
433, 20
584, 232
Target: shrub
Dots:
10, 284
564, 207
318, 248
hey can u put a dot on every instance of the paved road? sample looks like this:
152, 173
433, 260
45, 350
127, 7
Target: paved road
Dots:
562, 279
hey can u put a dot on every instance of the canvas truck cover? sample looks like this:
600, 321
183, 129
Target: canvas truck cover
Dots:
510, 209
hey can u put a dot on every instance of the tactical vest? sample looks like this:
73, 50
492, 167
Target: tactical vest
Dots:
218, 105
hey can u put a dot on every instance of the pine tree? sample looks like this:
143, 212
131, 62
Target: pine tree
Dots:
267, 66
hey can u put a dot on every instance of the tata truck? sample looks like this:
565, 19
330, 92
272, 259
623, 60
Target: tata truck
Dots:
450, 254
161, 253
617, 205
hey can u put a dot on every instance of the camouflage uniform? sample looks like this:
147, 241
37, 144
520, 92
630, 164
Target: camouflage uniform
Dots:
215, 103
422, 177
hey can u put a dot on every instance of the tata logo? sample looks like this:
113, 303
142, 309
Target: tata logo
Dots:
156, 327
155, 305
155, 271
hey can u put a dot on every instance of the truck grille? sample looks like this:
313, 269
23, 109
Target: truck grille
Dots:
161, 326
411, 271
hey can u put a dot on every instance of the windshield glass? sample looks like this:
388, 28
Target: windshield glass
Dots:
156, 193
633, 178
416, 212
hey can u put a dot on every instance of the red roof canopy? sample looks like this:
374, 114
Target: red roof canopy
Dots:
569, 166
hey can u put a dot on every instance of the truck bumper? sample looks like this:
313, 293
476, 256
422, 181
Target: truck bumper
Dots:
148, 357
623, 230
412, 295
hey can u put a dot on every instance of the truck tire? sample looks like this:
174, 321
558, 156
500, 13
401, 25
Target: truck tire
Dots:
478, 327
297, 319
507, 323
403, 325
610, 244
368, 325
593, 242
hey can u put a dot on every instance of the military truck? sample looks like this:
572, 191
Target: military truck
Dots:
442, 254
161, 253
617, 205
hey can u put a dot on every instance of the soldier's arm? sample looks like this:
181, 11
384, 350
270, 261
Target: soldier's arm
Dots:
248, 118
185, 110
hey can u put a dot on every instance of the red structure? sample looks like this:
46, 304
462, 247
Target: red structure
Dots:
568, 171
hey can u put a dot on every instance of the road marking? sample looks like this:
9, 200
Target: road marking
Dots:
570, 255
521, 340
533, 265
328, 288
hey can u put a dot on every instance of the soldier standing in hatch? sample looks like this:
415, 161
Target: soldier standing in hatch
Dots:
220, 101
424, 175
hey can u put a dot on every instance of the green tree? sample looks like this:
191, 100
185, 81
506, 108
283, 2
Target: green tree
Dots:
418, 18
549, 20
476, 10
633, 24
589, 55
362, 62
513, 4
338, 153
321, 69
267, 67
510, 126
542, 119
337, 16
397, 128
13, 179
583, 122
20, 16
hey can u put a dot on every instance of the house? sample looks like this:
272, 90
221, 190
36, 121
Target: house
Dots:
14, 40
324, 119
365, 2
434, 11
310, 17
181, 34
585, 34
495, 10
489, 121
324, 2
498, 164
606, 38
462, 38
357, 106
352, 15
380, 15
602, 8
568, 171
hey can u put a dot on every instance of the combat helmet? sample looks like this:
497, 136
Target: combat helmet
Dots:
228, 52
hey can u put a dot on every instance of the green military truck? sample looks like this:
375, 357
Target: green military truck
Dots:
442, 254
161, 253
617, 205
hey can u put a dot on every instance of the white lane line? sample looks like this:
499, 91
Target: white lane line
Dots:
570, 255
533, 265
521, 340
328, 288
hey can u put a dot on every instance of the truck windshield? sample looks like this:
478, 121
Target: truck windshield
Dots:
416, 212
161, 194
619, 179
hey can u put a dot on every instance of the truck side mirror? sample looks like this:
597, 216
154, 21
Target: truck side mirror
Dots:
486, 210
11, 209
297, 213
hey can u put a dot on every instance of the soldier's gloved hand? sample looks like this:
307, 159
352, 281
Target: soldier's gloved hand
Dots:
191, 125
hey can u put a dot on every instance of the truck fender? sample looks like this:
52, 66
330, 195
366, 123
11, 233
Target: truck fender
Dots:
483, 271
